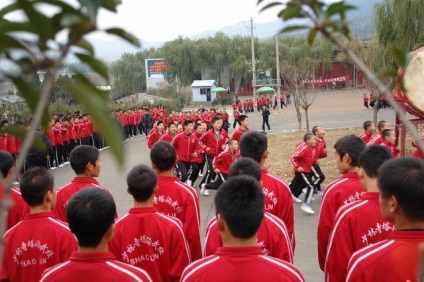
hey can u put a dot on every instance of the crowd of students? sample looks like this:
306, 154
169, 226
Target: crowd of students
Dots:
370, 218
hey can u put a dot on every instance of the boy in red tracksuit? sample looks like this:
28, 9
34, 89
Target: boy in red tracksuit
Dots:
321, 153
170, 134
187, 147
389, 141
278, 198
243, 120
91, 218
369, 129
57, 131
155, 134
272, 237
85, 162
222, 163
197, 162
381, 126
238, 226
163, 243
236, 115
40, 240
302, 159
340, 192
213, 141
360, 223
396, 258
175, 198
20, 208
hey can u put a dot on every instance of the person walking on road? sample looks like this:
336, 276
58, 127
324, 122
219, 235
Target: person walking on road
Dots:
265, 118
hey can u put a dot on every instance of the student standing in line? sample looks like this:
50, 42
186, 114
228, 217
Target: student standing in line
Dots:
401, 185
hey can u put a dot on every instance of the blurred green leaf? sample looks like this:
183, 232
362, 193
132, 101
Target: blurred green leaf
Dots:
70, 19
21, 132
9, 9
339, 8
111, 4
388, 73
292, 11
94, 64
293, 28
124, 35
97, 106
402, 57
311, 36
9, 26
270, 5
84, 44
8, 42
43, 28
31, 96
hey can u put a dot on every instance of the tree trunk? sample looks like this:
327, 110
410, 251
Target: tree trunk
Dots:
307, 118
375, 112
296, 105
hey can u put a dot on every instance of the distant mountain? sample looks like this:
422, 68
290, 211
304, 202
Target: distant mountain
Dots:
361, 23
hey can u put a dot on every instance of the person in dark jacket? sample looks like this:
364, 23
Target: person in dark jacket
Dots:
39, 156
147, 122
265, 118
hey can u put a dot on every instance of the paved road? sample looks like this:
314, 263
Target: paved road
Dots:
331, 110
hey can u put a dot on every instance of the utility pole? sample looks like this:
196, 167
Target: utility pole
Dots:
252, 43
277, 59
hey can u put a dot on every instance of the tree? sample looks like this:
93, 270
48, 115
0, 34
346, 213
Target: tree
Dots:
39, 50
300, 64
400, 23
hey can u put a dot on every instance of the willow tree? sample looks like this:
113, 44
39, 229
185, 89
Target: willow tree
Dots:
400, 23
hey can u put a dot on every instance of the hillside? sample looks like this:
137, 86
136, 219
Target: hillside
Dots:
361, 21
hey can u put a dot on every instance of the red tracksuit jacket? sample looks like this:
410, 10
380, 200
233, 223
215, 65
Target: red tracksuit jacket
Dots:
304, 157
338, 193
241, 264
65, 193
278, 201
180, 200
89, 267
38, 242
152, 241
272, 238
224, 160
185, 146
213, 142
238, 134
357, 225
19, 210
394, 259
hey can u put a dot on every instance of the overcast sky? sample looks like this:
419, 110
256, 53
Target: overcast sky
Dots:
163, 20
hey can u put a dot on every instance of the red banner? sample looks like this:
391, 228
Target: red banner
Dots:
327, 80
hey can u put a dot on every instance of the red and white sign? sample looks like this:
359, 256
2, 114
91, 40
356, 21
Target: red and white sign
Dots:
327, 80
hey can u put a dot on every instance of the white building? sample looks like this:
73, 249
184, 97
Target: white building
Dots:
202, 90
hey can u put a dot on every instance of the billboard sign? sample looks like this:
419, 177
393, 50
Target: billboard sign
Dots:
156, 67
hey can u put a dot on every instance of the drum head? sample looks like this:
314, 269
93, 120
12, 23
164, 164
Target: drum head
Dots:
414, 84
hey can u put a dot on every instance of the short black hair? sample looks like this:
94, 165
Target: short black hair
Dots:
245, 166
91, 211
6, 163
196, 125
187, 122
242, 118
159, 122
240, 202
372, 158
307, 136
315, 129
35, 184
386, 133
253, 144
351, 145
170, 124
215, 119
381, 124
367, 124
163, 155
403, 178
141, 181
81, 156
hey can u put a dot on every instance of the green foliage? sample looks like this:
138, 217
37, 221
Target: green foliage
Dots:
40, 51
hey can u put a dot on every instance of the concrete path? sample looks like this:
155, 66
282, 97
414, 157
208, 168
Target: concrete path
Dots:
338, 109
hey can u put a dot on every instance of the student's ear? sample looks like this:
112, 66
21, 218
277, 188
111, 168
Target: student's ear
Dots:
393, 204
220, 223
265, 155
347, 159
154, 166
155, 190
110, 232
128, 191
10, 172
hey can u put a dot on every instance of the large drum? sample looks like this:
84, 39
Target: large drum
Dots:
414, 85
